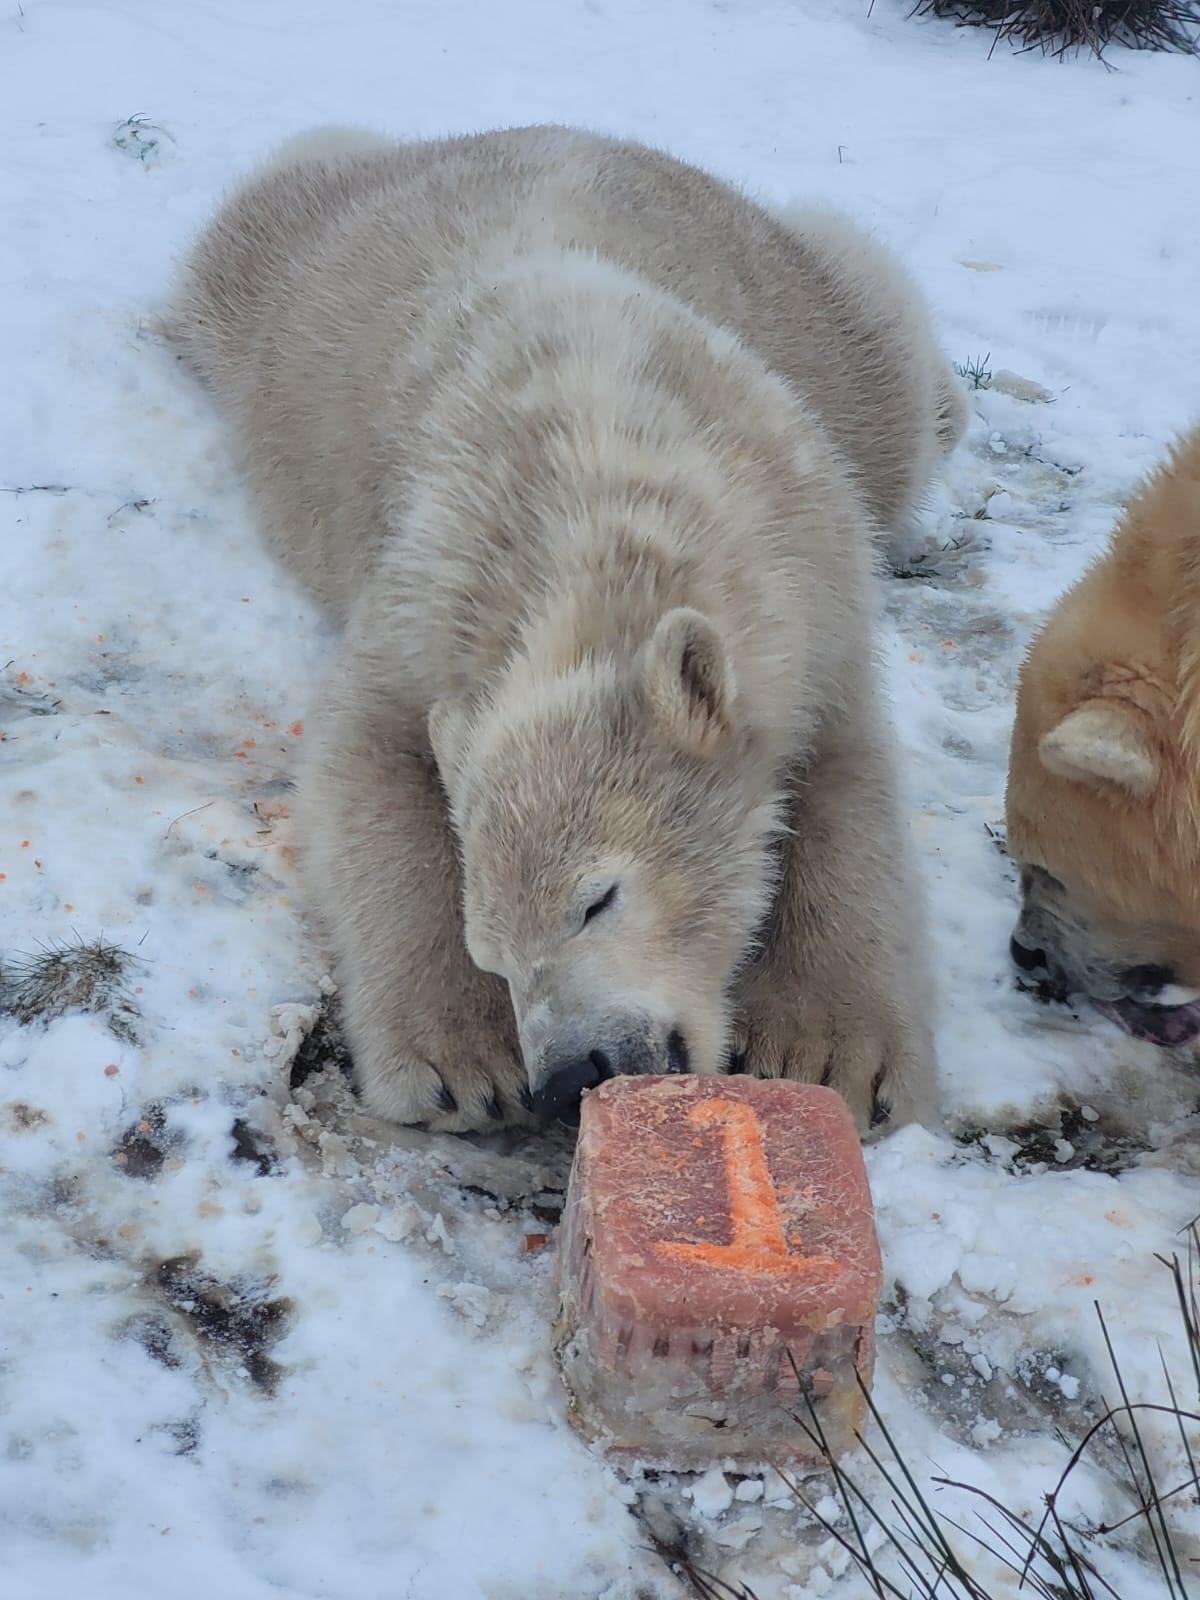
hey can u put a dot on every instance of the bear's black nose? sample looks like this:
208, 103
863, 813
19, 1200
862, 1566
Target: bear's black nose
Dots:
559, 1097
1028, 960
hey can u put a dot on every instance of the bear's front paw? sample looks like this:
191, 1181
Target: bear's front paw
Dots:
477, 1086
878, 1060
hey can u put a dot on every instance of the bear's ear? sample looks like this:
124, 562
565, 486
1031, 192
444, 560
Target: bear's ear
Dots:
1101, 744
447, 726
689, 678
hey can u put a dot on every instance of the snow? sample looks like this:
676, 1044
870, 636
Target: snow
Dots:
323, 1370
711, 1493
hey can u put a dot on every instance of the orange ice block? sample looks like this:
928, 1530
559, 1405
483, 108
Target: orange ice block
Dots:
716, 1230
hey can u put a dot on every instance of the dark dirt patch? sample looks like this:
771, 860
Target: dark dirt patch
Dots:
146, 1144
252, 1146
324, 1049
966, 1390
236, 1323
547, 1206
22, 1118
156, 1337
185, 1435
241, 873
1097, 1145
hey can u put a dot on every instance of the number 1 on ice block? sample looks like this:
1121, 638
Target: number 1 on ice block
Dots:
758, 1242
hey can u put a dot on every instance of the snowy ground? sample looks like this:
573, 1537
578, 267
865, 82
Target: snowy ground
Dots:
249, 1343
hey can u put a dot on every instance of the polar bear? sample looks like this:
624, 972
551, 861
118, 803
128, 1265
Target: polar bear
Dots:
1104, 772
587, 451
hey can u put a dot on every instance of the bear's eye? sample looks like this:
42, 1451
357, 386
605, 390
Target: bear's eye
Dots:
597, 907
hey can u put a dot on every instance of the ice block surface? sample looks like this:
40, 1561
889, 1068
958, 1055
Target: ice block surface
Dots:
713, 1227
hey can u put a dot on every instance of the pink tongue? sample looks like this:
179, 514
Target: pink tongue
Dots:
1163, 1025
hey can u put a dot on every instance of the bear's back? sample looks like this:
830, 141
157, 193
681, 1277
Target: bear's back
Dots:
323, 296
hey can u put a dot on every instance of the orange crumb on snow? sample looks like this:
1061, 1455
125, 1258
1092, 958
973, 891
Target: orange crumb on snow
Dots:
22, 677
296, 728
67, 906
137, 778
111, 1070
24, 844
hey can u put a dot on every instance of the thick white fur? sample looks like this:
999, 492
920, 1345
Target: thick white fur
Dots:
507, 403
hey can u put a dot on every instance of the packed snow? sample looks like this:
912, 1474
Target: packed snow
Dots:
253, 1343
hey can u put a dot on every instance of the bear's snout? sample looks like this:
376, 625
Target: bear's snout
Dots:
568, 1073
558, 1098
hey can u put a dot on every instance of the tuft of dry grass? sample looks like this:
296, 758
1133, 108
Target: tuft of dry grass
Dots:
1065, 27
917, 1552
89, 975
975, 372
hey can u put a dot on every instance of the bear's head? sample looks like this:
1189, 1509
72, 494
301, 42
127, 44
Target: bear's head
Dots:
616, 826
1104, 774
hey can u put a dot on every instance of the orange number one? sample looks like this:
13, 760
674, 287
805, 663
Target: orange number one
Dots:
759, 1243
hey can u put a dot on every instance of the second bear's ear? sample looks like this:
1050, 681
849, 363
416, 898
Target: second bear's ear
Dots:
447, 726
1101, 744
688, 676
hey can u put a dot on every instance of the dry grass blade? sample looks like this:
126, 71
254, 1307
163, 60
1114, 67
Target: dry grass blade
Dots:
1193, 1481
996, 1555
817, 1437
1160, 1529
1053, 1560
1185, 1294
704, 1584
930, 1522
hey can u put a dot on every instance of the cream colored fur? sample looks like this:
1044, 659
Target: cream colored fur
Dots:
588, 451
1104, 773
